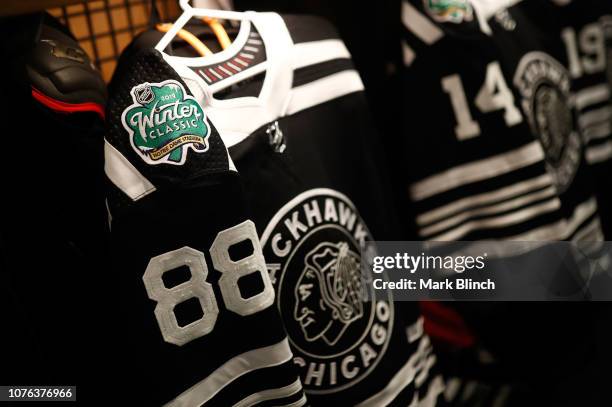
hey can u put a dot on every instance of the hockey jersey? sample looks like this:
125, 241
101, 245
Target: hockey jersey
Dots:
492, 171
569, 34
299, 133
199, 321
495, 156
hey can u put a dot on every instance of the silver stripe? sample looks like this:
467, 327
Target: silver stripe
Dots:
245, 55
299, 403
251, 49
436, 387
592, 95
420, 25
314, 52
563, 228
241, 62
408, 53
599, 131
323, 90
225, 70
488, 210
402, 378
234, 66
595, 116
205, 76
600, 153
215, 73
499, 221
270, 394
590, 233
477, 171
124, 175
452, 388
234, 368
484, 198
256, 42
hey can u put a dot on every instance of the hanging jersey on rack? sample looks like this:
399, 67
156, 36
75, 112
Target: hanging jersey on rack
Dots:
290, 107
198, 315
487, 172
571, 33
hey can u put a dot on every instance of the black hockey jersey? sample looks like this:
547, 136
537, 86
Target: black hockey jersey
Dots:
569, 34
572, 32
301, 138
482, 174
199, 326
487, 160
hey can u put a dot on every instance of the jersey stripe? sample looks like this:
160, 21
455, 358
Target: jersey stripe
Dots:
513, 218
595, 117
244, 363
412, 371
477, 170
419, 24
323, 90
484, 199
592, 95
436, 387
598, 154
408, 53
314, 52
590, 233
595, 122
124, 175
270, 394
563, 228
298, 403
512, 204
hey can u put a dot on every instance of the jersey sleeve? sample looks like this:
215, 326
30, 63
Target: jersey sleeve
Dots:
195, 302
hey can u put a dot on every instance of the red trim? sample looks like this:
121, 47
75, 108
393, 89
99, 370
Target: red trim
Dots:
64, 107
220, 72
445, 326
229, 68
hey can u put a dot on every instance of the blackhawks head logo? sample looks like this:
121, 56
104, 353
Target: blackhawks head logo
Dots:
454, 11
339, 327
329, 292
165, 122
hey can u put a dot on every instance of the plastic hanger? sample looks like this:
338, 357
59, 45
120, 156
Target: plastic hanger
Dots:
188, 37
190, 12
219, 31
217, 28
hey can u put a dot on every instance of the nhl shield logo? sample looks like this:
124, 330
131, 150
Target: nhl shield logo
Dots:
144, 94
164, 122
338, 325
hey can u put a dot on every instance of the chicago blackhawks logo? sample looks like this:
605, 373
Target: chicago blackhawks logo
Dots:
454, 11
164, 122
545, 87
338, 325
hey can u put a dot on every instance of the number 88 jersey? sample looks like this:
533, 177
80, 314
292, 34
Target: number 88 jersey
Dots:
195, 302
488, 158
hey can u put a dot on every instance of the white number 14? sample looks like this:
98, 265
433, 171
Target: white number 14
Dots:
493, 95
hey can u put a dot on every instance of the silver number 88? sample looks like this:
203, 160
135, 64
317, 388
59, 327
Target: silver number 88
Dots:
198, 287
